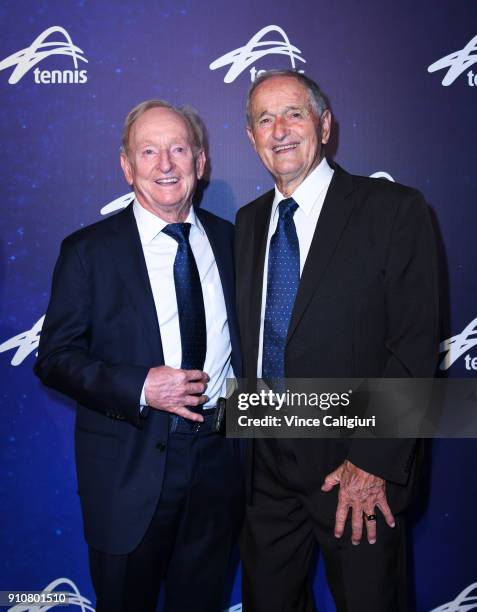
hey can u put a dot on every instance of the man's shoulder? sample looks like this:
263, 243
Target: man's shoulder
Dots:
378, 196
385, 200
249, 209
383, 186
96, 231
211, 218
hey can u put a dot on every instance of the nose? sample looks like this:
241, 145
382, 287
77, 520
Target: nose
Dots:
165, 161
280, 128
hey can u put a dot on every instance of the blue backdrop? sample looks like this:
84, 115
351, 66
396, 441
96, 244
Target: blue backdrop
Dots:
401, 80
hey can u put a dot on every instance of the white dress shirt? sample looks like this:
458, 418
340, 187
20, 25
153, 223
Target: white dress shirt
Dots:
309, 196
159, 252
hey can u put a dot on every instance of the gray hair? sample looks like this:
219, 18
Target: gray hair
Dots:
317, 99
194, 123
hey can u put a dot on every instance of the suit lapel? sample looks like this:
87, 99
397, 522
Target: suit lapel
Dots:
333, 218
225, 265
222, 259
259, 237
126, 249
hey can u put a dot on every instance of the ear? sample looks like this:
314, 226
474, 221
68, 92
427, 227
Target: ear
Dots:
126, 166
200, 164
325, 126
251, 137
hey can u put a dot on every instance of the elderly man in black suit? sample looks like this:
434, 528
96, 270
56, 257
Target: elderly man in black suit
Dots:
141, 332
336, 278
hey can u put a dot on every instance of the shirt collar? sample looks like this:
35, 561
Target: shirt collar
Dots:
150, 225
308, 192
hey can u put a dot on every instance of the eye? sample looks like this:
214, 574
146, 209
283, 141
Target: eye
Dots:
295, 115
265, 121
148, 151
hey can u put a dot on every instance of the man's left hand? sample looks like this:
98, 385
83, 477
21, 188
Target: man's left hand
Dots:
361, 492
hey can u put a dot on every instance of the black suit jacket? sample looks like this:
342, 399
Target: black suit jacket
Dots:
99, 339
366, 307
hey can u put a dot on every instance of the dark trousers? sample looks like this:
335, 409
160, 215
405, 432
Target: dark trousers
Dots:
187, 545
282, 527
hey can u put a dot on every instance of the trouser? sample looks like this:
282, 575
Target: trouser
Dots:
187, 545
283, 526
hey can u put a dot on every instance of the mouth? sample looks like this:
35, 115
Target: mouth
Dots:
167, 181
283, 148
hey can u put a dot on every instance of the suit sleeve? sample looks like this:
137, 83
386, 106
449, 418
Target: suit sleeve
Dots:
411, 294
65, 361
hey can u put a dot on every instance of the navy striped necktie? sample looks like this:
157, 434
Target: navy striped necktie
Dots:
190, 301
282, 284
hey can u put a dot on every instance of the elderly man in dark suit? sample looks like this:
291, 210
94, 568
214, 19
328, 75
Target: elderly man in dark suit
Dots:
336, 278
141, 332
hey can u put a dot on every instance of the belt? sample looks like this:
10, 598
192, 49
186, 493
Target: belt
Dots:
178, 424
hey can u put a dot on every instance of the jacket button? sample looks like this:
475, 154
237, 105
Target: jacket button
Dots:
161, 446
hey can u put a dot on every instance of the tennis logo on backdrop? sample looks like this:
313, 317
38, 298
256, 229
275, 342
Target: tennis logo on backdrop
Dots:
457, 63
464, 602
256, 48
459, 346
40, 49
25, 343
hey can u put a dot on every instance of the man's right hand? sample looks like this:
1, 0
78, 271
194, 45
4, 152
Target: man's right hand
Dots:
172, 390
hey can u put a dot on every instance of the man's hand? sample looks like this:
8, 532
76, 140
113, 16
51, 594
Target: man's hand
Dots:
172, 390
362, 492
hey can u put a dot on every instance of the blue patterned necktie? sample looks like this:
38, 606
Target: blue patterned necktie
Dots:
190, 301
282, 285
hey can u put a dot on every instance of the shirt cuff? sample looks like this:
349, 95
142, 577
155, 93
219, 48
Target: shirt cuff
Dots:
142, 400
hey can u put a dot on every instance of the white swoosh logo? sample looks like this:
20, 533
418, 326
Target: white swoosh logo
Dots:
457, 62
464, 602
39, 50
241, 58
458, 345
25, 343
385, 175
118, 203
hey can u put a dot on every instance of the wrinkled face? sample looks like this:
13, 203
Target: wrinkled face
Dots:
285, 131
160, 163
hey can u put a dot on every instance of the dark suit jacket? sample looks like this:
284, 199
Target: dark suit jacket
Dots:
99, 339
366, 307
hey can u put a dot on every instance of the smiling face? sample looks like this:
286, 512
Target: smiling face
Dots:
160, 163
286, 132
